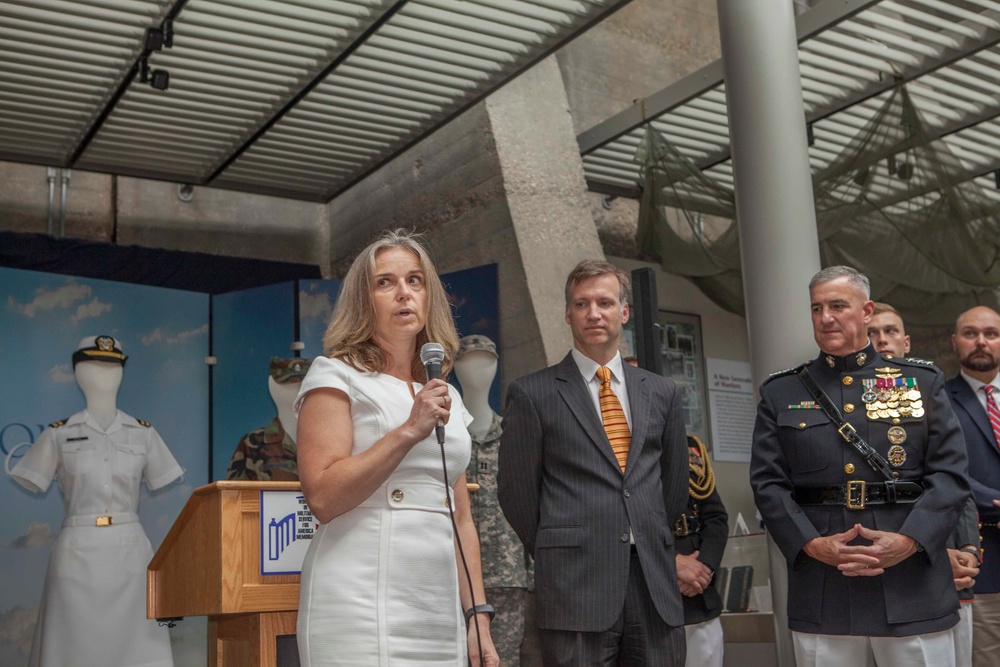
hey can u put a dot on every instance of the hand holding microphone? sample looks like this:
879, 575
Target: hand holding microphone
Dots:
432, 356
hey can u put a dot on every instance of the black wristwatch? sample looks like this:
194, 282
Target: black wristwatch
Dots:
480, 609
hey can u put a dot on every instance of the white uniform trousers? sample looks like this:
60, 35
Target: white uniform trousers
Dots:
935, 649
704, 644
963, 636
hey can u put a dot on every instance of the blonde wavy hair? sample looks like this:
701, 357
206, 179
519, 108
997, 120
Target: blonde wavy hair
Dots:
351, 334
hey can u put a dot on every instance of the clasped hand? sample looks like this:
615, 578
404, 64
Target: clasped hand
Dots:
964, 568
693, 576
861, 560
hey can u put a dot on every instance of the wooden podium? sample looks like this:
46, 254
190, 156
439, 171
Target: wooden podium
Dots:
209, 565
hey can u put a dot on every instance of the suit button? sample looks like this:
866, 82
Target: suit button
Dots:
802, 424
624, 537
848, 407
397, 495
848, 380
626, 493
849, 468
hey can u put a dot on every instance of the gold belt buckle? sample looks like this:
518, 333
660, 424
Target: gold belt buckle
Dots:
104, 521
846, 427
856, 494
681, 528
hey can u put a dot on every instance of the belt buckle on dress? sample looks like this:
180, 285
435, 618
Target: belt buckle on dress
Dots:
855, 494
103, 521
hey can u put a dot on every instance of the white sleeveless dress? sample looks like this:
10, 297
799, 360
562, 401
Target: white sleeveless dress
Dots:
379, 584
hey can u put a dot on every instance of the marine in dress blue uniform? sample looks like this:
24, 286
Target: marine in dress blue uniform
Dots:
893, 580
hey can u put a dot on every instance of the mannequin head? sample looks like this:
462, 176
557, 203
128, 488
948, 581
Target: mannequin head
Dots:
98, 364
476, 363
283, 382
283, 395
95, 377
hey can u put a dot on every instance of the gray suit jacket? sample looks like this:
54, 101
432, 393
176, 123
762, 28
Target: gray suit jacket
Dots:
564, 494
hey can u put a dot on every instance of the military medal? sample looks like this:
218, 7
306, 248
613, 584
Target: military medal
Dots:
897, 455
897, 435
893, 396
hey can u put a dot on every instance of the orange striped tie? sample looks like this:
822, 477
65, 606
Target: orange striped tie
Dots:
615, 424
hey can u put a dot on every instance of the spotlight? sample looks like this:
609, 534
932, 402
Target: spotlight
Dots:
160, 79
154, 39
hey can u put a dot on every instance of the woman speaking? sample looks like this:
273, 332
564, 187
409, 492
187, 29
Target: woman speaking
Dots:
381, 583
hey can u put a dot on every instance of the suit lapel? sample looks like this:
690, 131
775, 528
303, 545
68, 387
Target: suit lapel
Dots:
638, 401
574, 392
967, 399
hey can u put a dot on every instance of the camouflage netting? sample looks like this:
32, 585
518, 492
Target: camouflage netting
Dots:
895, 204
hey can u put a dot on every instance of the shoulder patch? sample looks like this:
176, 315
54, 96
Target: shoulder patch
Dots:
922, 362
787, 371
59, 423
143, 423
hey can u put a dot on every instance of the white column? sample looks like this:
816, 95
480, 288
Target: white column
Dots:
779, 248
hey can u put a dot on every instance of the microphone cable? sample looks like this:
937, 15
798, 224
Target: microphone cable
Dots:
432, 355
465, 564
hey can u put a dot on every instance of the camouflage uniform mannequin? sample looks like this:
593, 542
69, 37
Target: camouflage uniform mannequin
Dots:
503, 556
268, 453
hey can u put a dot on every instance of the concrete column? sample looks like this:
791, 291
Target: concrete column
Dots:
502, 183
546, 193
779, 248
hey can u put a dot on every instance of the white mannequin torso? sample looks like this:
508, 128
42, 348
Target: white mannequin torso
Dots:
475, 371
100, 381
284, 396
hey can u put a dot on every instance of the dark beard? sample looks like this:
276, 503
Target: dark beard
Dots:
979, 361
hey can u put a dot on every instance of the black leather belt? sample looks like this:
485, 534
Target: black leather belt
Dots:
857, 494
686, 525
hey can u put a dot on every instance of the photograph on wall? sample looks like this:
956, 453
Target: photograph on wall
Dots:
684, 363
164, 383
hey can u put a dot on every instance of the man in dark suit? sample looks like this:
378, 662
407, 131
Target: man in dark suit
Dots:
868, 577
592, 473
976, 341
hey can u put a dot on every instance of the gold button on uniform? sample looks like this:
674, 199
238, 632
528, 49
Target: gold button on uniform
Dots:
849, 468
848, 380
802, 424
848, 407
397, 495
447, 502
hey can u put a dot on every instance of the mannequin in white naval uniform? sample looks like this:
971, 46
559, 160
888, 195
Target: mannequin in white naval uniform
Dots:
93, 609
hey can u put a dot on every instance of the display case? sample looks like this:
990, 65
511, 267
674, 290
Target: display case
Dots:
744, 583
743, 578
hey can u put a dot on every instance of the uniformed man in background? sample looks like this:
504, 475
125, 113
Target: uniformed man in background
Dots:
700, 536
859, 481
888, 334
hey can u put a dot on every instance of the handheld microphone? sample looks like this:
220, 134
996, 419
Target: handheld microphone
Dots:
432, 354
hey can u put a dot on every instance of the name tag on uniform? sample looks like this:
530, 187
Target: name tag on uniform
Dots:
82, 437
